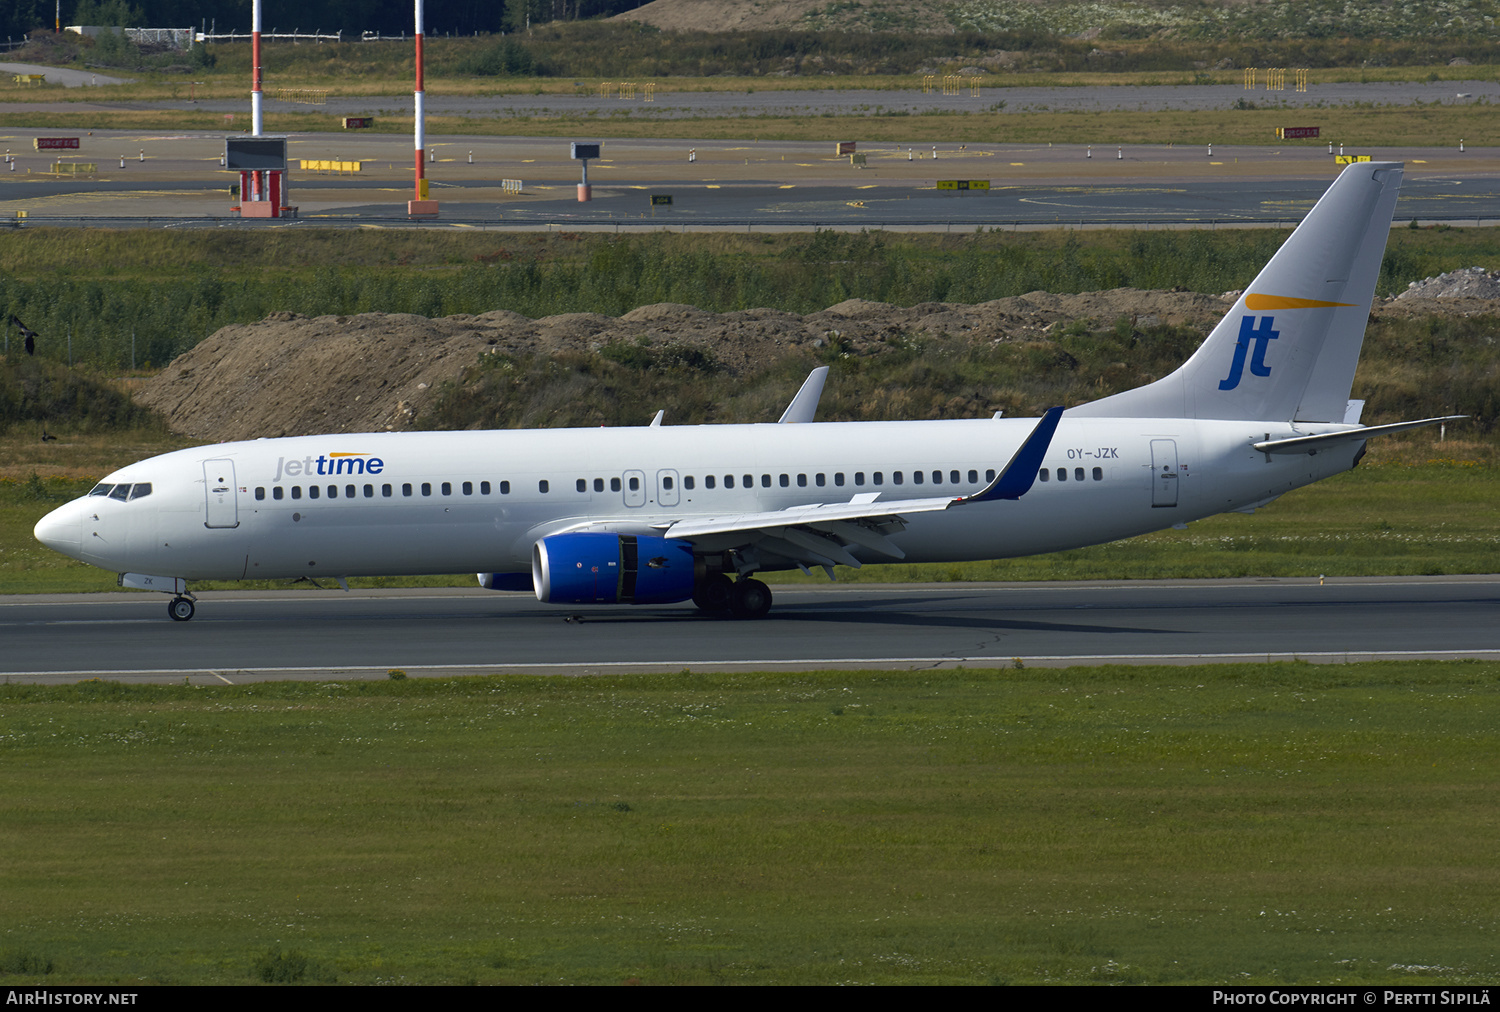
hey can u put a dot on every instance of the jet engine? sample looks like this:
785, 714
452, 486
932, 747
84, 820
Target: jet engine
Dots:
599, 568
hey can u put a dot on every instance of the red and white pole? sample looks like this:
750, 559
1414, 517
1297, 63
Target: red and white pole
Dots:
420, 204
255, 69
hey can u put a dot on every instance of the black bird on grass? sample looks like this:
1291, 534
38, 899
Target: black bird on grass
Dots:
26, 332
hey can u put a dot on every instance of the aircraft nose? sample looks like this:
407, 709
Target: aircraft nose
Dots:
61, 529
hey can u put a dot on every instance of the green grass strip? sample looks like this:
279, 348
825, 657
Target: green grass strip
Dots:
1251, 824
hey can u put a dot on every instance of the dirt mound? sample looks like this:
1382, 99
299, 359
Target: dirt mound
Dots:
290, 375
773, 15
1469, 283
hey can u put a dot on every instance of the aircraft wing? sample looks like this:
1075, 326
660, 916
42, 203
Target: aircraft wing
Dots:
822, 534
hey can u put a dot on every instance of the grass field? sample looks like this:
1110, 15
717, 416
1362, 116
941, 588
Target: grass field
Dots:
1377, 127
1245, 824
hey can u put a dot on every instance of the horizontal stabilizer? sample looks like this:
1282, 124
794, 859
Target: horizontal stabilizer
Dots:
1312, 444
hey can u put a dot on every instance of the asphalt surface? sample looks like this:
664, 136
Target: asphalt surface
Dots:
243, 636
175, 180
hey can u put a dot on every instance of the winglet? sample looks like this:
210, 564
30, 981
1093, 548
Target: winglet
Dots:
1020, 474
805, 404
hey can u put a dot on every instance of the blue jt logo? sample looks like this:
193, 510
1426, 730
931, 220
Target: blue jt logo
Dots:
1262, 337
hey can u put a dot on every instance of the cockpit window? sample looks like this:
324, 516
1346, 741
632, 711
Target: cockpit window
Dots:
141, 490
121, 492
101, 489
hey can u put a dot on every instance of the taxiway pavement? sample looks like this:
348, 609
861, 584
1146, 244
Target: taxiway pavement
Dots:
244, 635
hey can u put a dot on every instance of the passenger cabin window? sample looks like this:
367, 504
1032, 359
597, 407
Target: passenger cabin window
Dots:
1042, 475
505, 488
614, 484
582, 484
666, 482
468, 488
708, 481
484, 488
973, 478
276, 492
260, 493
542, 486
427, 488
296, 491
406, 488
1098, 474
447, 488
369, 491
598, 484
838, 477
313, 492
687, 482
1077, 474
785, 481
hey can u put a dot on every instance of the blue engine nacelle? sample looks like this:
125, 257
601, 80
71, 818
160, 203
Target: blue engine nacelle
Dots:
590, 568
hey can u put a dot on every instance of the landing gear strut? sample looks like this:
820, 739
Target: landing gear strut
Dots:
180, 609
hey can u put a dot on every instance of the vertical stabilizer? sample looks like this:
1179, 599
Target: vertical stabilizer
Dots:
1288, 349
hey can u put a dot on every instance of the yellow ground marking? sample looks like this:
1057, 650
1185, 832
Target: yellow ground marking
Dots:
106, 197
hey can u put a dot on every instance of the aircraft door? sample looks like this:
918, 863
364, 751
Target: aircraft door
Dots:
1163, 472
666, 488
218, 487
635, 488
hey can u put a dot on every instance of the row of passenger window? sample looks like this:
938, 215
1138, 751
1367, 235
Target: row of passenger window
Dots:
689, 483
368, 491
1078, 474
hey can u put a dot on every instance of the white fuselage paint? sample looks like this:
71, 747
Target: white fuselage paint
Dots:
169, 532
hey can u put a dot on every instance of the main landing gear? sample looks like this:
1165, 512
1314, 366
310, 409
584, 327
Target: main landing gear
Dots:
745, 598
180, 608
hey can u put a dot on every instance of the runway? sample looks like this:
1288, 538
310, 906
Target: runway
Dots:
246, 636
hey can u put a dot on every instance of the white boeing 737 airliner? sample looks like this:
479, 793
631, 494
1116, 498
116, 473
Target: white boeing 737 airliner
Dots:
660, 514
